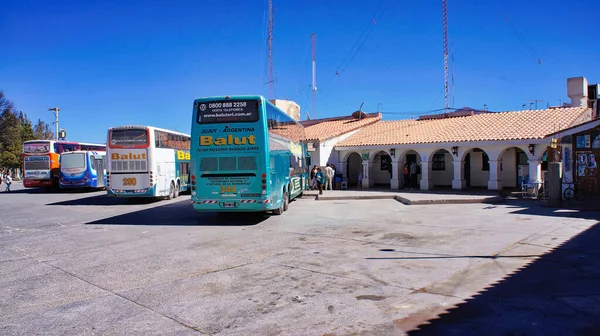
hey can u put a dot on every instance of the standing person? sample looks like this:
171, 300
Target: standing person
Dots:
329, 173
320, 178
313, 172
413, 175
8, 181
406, 176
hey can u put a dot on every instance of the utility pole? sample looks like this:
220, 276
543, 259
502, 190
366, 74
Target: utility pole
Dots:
314, 75
270, 49
446, 79
55, 110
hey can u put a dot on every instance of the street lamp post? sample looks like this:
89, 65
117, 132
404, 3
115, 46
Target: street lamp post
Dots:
55, 110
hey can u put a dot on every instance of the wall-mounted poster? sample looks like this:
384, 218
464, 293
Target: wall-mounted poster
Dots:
580, 141
587, 139
596, 141
582, 160
365, 156
592, 161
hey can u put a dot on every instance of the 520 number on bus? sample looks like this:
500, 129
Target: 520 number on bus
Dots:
227, 104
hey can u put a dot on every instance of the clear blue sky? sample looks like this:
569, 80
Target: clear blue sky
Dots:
108, 63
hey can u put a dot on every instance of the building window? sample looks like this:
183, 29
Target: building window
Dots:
485, 162
438, 162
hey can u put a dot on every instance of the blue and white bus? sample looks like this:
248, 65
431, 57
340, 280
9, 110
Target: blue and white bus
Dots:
83, 169
146, 161
247, 155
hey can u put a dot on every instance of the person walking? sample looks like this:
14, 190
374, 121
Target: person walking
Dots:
8, 182
329, 174
320, 178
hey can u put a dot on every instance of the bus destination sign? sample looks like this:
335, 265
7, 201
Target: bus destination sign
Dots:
227, 111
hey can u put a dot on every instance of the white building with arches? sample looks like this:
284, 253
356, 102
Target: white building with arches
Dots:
460, 150
490, 150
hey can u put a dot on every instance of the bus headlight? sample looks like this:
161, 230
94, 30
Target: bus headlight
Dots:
264, 192
193, 193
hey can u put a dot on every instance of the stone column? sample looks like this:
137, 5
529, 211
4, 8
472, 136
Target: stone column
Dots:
459, 181
426, 183
535, 171
396, 175
365, 180
494, 182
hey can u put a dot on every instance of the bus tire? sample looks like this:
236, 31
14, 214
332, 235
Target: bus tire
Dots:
279, 211
171, 191
176, 191
286, 201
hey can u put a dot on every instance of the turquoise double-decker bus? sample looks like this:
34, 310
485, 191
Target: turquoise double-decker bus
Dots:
247, 155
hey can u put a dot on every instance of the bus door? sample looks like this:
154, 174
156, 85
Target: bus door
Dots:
98, 164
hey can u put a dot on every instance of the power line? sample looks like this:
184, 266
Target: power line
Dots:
358, 44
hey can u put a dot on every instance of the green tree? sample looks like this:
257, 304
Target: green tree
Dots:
43, 131
9, 160
10, 139
26, 127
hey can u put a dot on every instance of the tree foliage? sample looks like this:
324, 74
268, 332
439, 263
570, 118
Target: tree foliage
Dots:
43, 131
16, 128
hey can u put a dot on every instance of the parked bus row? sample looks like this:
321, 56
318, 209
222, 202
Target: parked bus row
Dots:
247, 155
139, 161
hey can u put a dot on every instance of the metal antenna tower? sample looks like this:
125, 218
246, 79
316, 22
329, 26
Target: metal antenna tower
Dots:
270, 46
314, 75
446, 84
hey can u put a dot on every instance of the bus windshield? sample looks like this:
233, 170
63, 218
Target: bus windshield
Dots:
128, 137
36, 147
228, 111
75, 160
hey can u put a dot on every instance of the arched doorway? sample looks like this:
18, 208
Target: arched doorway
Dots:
409, 157
353, 168
514, 167
442, 169
476, 169
380, 172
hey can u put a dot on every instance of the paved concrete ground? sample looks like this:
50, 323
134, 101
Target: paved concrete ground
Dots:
409, 197
82, 264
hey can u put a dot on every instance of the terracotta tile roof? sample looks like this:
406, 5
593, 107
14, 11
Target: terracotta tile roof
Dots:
494, 126
323, 129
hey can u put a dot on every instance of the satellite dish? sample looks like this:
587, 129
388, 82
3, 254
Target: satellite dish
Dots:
359, 115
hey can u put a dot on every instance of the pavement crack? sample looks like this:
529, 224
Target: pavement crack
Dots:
121, 296
332, 274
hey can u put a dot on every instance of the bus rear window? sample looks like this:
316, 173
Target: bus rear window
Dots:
36, 147
129, 137
227, 111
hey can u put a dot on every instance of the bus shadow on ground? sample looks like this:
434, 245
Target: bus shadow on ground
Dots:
103, 200
49, 191
180, 213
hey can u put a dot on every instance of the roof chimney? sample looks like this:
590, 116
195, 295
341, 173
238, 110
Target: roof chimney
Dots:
577, 90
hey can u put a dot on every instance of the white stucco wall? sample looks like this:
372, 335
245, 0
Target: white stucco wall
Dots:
443, 177
509, 168
324, 153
